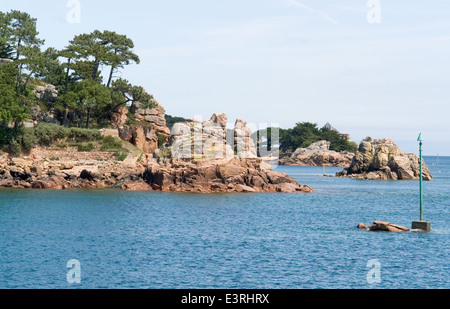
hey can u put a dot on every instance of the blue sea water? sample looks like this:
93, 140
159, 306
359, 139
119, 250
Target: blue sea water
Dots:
148, 240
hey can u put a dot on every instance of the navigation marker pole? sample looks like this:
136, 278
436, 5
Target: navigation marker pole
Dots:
421, 225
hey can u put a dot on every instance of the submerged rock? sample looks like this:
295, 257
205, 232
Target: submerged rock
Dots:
382, 226
381, 159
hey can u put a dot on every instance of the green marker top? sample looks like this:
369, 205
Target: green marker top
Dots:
420, 139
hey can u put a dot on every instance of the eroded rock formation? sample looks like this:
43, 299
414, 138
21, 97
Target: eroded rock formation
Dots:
152, 116
381, 159
148, 132
210, 139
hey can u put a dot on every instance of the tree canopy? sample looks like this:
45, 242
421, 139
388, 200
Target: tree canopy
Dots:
19, 29
13, 107
75, 71
306, 133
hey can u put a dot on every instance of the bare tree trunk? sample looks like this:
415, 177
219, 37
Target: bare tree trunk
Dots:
18, 49
95, 70
110, 76
65, 119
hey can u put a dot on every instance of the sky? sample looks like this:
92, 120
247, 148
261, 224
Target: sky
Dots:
373, 68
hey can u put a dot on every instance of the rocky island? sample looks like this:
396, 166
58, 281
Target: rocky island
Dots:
318, 154
381, 159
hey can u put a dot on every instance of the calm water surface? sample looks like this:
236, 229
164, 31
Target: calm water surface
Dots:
286, 241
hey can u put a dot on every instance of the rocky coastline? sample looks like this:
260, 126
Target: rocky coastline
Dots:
201, 176
192, 156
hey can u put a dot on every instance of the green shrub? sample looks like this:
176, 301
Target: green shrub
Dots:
62, 145
85, 135
161, 139
131, 119
16, 140
48, 133
86, 148
28, 139
121, 155
111, 143
6, 135
140, 158
14, 148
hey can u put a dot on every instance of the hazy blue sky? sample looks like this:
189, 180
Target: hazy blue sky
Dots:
283, 61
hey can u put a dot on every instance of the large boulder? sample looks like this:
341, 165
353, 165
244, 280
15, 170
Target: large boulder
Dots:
381, 159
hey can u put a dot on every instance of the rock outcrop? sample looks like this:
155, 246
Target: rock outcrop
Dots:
195, 139
46, 92
150, 129
244, 144
381, 159
203, 176
382, 226
37, 115
143, 137
235, 175
119, 117
210, 139
318, 154
71, 170
153, 116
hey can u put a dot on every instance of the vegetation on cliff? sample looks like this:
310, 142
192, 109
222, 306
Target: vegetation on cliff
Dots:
83, 74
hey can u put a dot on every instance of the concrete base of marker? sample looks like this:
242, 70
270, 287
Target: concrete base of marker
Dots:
422, 226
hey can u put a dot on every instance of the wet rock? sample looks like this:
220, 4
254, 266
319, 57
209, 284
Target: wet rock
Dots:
383, 226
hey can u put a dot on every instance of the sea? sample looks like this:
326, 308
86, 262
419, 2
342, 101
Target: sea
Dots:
112, 239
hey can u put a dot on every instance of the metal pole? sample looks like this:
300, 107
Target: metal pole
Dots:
421, 184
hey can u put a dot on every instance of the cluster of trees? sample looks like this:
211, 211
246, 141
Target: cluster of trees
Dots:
76, 71
306, 133
302, 135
